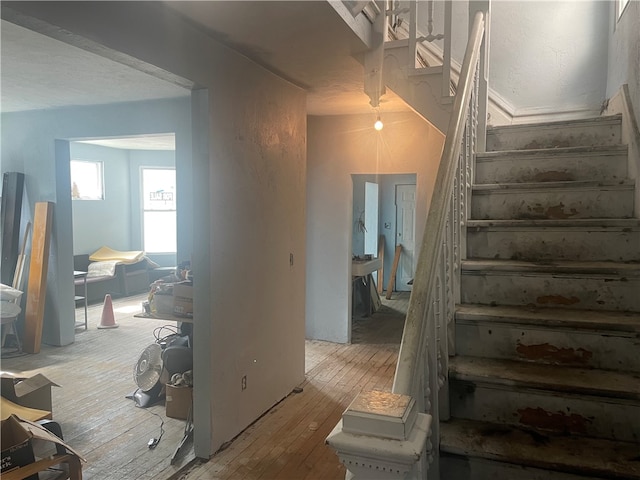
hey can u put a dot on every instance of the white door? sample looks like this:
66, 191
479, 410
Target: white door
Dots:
405, 234
371, 218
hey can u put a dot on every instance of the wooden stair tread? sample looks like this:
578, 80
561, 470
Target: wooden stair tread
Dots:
578, 455
551, 317
556, 378
550, 267
569, 184
555, 125
605, 224
530, 154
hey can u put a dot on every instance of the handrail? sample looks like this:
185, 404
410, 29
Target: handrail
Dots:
406, 381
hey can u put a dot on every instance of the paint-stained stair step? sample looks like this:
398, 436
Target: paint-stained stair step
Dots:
499, 452
578, 285
552, 165
572, 133
582, 338
553, 200
568, 400
602, 239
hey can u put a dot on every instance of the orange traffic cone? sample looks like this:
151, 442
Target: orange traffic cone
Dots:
107, 320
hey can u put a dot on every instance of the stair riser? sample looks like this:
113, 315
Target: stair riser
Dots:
458, 467
590, 292
552, 204
554, 136
514, 169
545, 410
535, 244
570, 347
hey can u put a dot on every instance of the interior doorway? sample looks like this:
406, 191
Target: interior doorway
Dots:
383, 216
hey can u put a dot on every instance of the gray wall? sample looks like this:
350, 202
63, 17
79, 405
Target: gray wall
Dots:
338, 148
37, 144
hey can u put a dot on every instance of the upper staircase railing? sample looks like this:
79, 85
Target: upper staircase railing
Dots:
428, 338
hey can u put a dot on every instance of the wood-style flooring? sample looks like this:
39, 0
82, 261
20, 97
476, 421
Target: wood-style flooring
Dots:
96, 373
288, 443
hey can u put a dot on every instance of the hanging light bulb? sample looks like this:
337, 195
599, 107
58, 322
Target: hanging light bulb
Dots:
378, 125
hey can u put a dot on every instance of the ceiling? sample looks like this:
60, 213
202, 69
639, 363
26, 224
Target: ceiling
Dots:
305, 42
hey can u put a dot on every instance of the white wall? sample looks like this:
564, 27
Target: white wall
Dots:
256, 223
549, 56
337, 148
545, 56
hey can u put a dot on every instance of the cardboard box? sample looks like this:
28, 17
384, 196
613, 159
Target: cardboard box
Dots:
163, 304
16, 446
178, 401
16, 437
183, 299
33, 391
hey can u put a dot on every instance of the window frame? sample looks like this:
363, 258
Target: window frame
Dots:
145, 210
100, 183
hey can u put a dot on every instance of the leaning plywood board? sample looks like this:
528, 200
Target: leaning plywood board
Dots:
394, 269
376, 303
37, 286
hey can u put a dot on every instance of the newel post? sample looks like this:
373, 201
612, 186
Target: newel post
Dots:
381, 436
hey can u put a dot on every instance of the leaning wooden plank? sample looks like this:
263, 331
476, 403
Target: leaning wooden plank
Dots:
394, 269
381, 269
376, 303
37, 286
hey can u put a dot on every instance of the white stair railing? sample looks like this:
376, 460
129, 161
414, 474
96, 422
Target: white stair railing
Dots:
369, 438
422, 369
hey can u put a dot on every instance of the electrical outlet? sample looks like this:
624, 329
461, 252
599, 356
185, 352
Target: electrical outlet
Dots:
244, 382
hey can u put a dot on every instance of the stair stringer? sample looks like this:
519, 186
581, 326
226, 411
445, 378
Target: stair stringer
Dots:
420, 89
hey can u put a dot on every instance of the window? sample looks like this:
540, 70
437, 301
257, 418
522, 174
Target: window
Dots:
86, 180
159, 210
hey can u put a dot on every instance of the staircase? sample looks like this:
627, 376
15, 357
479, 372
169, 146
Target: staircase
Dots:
545, 381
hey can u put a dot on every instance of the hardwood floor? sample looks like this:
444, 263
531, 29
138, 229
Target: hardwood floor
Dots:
96, 373
287, 443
